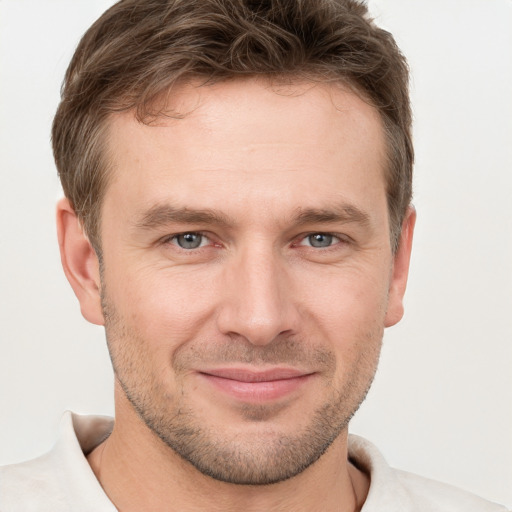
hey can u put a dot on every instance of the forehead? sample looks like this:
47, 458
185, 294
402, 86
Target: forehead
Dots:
258, 109
266, 142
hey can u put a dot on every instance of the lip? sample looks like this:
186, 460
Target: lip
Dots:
256, 385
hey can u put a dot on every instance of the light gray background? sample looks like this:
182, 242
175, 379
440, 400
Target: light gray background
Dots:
441, 404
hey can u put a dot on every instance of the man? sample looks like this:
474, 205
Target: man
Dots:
237, 214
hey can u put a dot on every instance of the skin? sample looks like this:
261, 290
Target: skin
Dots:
271, 168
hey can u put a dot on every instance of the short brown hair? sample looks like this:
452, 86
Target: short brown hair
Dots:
139, 48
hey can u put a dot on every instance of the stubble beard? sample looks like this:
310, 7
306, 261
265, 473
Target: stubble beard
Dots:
256, 456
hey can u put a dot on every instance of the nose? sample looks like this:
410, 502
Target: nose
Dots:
258, 302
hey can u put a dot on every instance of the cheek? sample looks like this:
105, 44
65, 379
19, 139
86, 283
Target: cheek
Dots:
348, 298
348, 313
167, 309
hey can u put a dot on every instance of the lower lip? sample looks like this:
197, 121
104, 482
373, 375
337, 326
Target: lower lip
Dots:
257, 391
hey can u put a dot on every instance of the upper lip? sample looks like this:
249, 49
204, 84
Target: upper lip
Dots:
246, 375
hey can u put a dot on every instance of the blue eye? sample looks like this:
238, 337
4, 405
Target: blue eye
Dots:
320, 240
189, 240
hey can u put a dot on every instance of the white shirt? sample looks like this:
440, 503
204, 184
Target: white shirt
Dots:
63, 481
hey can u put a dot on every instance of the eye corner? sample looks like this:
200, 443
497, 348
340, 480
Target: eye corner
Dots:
190, 241
319, 240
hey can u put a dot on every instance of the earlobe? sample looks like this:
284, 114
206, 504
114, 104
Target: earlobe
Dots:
80, 262
400, 270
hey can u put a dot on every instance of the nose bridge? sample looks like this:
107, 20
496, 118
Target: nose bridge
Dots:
256, 305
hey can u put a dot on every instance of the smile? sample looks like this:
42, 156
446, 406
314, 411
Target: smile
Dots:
256, 386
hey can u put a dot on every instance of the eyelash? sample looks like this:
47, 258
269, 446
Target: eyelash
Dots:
341, 239
171, 239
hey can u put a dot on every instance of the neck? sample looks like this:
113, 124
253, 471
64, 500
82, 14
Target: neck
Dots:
139, 472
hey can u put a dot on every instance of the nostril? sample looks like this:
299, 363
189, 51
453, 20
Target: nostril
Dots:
257, 327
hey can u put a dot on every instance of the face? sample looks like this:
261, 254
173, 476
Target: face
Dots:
247, 274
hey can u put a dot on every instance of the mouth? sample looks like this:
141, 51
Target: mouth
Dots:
256, 385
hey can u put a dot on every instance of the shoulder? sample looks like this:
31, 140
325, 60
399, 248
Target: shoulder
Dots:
58, 480
25, 486
392, 489
430, 495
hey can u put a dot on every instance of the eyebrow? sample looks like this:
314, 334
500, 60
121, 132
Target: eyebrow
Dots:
163, 215
345, 213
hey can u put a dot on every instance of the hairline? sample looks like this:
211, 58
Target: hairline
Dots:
146, 114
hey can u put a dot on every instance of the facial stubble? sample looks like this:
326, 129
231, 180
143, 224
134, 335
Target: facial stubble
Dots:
258, 452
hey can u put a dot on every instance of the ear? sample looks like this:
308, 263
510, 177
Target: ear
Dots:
400, 270
80, 262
